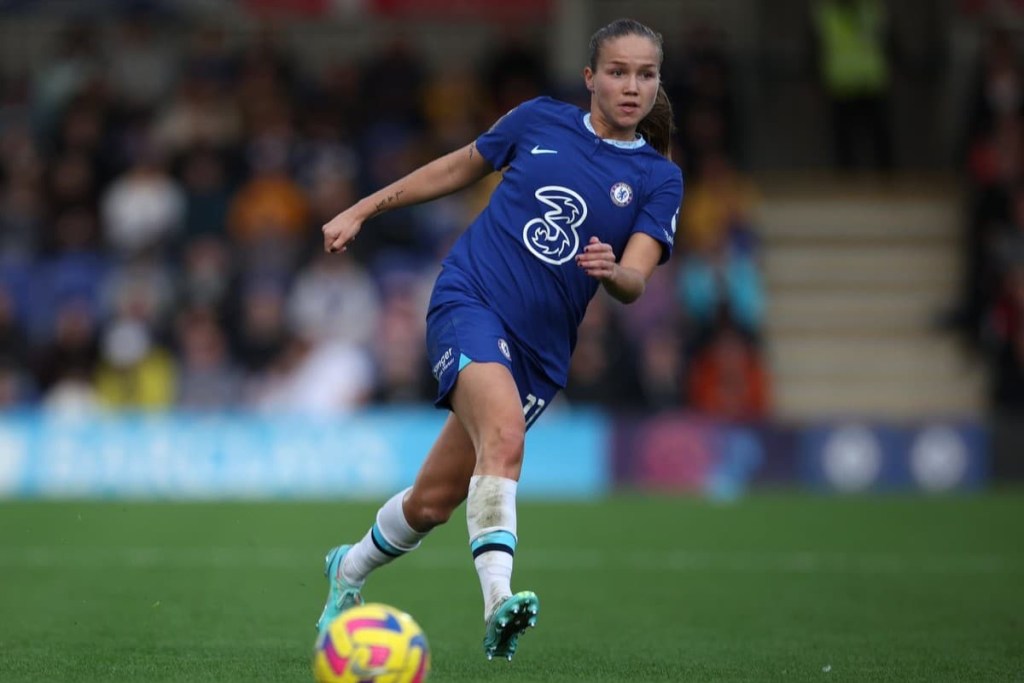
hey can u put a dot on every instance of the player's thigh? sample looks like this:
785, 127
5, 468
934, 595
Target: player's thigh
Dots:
473, 363
487, 402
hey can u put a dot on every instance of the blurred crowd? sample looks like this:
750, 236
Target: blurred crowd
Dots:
992, 311
161, 197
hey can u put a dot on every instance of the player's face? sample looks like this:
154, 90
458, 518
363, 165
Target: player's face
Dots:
624, 85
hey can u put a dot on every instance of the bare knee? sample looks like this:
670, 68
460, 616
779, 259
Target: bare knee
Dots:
425, 510
501, 449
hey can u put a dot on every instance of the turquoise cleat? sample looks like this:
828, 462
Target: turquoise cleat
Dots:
509, 621
340, 595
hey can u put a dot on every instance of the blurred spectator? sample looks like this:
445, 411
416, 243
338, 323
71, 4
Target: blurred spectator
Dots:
83, 134
142, 288
602, 370
73, 396
853, 42
74, 69
179, 168
202, 114
662, 366
207, 377
209, 57
207, 188
261, 327
998, 88
14, 343
328, 378
993, 166
698, 79
265, 79
993, 163
720, 206
21, 158
721, 283
1007, 330
440, 222
268, 216
512, 72
719, 271
658, 306
207, 273
71, 183
144, 208
141, 65
337, 92
392, 82
21, 213
325, 146
728, 378
402, 371
454, 106
72, 349
1007, 239
74, 268
15, 386
65, 367
334, 299
134, 373
654, 324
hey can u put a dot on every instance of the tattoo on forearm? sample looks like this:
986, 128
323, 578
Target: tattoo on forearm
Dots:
384, 204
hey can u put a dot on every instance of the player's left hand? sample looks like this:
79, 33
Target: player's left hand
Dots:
597, 259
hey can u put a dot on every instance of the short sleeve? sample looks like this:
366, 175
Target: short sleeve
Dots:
498, 144
660, 212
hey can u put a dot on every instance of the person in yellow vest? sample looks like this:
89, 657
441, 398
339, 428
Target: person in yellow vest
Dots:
855, 72
134, 374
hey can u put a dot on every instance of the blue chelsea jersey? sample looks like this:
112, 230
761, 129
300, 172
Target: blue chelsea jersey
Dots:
561, 186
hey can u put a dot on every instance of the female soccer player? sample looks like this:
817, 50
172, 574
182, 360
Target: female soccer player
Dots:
586, 198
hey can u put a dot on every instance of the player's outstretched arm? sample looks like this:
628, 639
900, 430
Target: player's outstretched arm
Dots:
626, 279
438, 178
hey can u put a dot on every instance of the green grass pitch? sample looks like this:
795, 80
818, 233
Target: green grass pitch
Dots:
781, 587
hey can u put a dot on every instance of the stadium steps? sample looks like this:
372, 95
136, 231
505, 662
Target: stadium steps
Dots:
857, 275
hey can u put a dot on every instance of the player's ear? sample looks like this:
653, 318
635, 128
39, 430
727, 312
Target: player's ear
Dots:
588, 78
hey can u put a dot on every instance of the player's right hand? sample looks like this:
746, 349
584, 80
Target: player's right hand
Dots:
341, 231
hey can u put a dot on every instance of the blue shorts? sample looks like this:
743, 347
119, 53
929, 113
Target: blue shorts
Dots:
465, 332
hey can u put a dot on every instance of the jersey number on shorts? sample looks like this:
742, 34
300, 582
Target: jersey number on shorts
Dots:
533, 408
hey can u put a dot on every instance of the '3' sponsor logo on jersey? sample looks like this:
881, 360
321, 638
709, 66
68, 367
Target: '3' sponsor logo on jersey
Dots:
554, 238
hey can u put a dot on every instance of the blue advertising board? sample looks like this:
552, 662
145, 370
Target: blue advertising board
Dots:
685, 453
179, 456
933, 456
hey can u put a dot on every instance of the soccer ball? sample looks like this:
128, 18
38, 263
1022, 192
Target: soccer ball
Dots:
371, 643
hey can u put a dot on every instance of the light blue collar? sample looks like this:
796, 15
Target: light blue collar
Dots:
624, 144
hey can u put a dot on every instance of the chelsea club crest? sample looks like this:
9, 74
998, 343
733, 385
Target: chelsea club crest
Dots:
622, 194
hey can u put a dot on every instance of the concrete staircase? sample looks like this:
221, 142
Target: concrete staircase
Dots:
856, 275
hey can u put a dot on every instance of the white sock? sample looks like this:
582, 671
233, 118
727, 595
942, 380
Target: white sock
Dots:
388, 539
491, 518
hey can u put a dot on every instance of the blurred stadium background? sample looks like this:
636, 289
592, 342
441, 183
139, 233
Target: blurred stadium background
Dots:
844, 308
844, 312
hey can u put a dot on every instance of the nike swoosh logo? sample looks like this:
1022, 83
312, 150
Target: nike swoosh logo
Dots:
537, 149
370, 673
